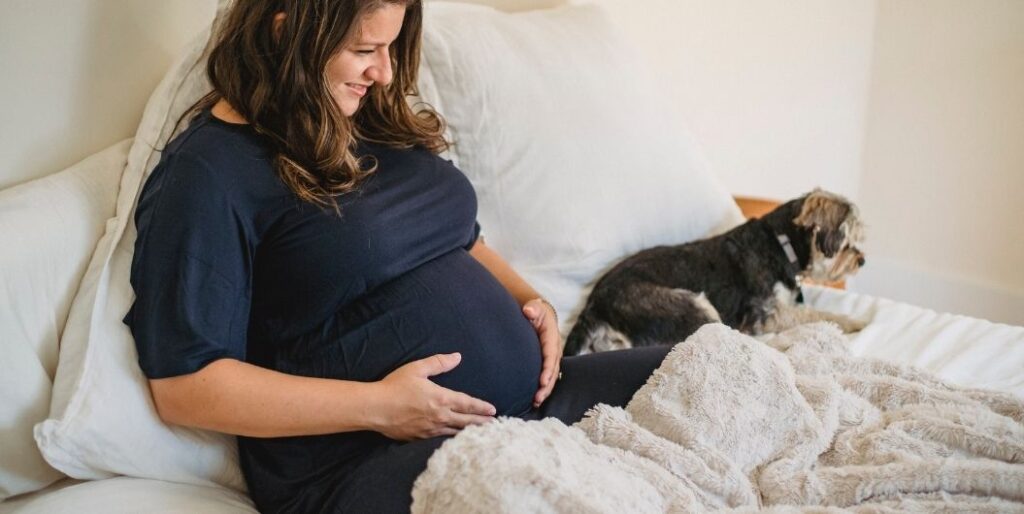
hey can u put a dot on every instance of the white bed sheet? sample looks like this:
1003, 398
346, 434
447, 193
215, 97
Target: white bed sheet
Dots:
965, 351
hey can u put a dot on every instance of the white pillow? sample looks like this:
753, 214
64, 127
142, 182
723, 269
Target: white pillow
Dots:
48, 230
102, 420
575, 158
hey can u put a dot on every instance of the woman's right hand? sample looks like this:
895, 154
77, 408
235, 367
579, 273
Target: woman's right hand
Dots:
413, 407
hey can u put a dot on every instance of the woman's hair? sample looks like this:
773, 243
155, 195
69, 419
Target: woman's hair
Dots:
276, 79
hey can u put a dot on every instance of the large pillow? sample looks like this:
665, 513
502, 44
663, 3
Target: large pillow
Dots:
48, 230
576, 159
102, 420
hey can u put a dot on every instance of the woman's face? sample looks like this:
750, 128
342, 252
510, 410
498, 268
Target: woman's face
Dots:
365, 61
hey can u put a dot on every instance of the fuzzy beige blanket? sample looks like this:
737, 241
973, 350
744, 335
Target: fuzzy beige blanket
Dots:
729, 423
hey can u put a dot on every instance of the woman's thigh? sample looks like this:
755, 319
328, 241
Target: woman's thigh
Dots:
383, 482
606, 377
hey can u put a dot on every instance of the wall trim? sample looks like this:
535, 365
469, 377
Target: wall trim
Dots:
945, 292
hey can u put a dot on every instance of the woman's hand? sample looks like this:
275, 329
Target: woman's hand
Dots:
542, 316
410, 406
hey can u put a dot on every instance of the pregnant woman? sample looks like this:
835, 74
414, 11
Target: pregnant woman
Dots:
309, 274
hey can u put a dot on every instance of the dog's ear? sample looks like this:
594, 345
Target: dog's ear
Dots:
824, 214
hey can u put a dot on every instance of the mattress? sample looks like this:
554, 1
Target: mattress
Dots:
125, 495
965, 351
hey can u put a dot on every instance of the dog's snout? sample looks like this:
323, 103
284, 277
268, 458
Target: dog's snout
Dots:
860, 261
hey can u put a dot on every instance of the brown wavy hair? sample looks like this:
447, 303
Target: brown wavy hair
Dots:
276, 79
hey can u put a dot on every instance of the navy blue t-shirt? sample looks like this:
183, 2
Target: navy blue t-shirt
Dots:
230, 263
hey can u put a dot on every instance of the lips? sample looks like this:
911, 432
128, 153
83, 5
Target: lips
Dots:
358, 89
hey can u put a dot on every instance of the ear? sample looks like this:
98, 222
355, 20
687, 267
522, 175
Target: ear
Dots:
830, 241
824, 213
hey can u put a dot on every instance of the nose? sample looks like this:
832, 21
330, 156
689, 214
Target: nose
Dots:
380, 71
860, 261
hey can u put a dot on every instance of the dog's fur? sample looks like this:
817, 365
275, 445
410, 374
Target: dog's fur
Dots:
742, 278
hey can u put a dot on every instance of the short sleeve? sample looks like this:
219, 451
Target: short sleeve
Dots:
191, 270
475, 235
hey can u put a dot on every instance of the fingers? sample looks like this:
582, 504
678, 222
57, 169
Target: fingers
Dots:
540, 316
466, 404
551, 352
436, 364
534, 312
545, 389
547, 368
458, 420
444, 431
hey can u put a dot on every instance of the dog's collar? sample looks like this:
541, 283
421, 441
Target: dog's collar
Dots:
788, 248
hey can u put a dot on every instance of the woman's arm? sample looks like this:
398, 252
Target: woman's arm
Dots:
539, 312
516, 285
235, 397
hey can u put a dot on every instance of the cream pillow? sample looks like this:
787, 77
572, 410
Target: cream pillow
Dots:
575, 158
102, 421
48, 231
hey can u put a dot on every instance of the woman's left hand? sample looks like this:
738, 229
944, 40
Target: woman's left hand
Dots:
544, 321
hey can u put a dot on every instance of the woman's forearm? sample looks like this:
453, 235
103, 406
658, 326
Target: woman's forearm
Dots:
239, 398
515, 284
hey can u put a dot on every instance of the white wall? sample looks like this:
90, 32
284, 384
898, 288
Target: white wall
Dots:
943, 182
774, 90
77, 73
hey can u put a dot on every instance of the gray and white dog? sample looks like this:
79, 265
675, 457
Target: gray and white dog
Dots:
748, 278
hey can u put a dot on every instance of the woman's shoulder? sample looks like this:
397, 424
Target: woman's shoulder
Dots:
220, 154
215, 139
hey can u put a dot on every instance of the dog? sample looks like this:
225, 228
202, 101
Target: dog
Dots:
748, 278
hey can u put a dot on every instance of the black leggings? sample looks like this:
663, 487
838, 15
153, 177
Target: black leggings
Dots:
383, 482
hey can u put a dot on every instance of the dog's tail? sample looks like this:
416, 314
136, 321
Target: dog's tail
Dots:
577, 337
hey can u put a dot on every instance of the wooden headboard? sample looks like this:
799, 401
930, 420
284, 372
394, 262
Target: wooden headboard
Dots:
755, 207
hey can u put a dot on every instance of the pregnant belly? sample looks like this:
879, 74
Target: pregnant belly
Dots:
450, 304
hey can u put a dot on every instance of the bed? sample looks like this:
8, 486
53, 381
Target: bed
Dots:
88, 440
966, 351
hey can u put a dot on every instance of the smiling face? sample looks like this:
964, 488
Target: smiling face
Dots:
365, 60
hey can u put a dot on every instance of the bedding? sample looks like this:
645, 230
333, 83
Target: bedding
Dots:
730, 422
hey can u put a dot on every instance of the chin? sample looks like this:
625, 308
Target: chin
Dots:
348, 105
